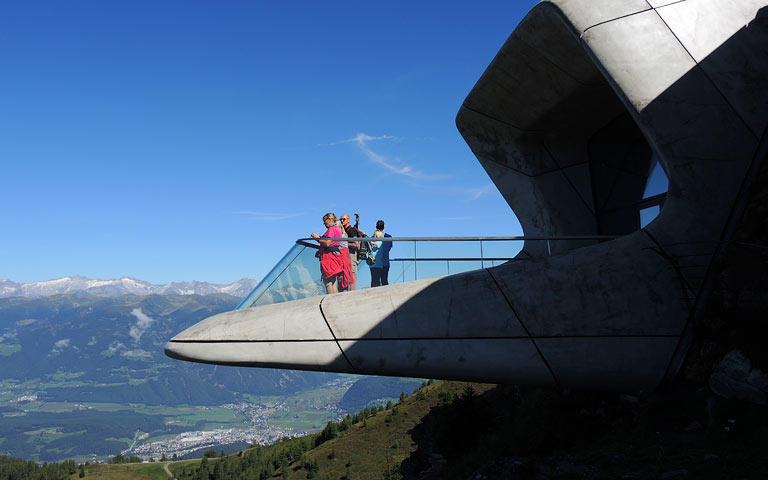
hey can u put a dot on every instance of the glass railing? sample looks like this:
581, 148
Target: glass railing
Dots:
297, 274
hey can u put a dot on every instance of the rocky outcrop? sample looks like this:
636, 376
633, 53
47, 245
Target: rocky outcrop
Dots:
734, 377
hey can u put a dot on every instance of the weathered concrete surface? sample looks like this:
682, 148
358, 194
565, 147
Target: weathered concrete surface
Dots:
566, 121
734, 377
473, 359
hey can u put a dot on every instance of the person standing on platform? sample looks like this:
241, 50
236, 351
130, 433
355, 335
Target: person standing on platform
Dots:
380, 268
347, 280
352, 231
331, 263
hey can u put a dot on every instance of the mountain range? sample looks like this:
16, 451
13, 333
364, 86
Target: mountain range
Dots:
121, 286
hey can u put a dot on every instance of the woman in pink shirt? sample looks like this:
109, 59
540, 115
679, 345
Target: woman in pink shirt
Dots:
331, 261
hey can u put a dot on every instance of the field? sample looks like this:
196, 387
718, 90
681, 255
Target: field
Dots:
40, 430
6, 349
307, 411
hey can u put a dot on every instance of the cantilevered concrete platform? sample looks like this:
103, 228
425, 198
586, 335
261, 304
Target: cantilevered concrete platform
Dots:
567, 120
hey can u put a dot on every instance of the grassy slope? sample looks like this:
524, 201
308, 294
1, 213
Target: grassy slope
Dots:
126, 471
382, 441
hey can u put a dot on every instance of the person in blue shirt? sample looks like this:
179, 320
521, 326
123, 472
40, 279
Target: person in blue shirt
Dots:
380, 268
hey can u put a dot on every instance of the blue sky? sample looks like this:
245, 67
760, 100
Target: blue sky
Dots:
193, 140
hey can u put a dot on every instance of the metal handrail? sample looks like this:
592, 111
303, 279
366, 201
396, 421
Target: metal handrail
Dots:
451, 259
304, 241
411, 263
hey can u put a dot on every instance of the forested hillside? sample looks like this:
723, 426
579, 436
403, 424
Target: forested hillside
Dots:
15, 468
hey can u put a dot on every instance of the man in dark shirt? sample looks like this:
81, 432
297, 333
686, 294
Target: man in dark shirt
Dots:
353, 246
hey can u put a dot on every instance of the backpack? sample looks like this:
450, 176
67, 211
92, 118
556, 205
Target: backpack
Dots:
365, 252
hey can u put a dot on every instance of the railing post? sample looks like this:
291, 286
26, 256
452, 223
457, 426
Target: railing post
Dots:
415, 261
482, 260
549, 249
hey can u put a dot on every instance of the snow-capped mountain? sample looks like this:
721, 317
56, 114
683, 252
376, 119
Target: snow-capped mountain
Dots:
121, 286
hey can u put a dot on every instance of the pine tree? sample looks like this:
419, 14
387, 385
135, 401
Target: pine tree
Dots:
203, 473
218, 471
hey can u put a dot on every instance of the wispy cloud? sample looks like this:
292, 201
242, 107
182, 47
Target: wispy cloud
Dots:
356, 139
143, 321
475, 193
456, 191
267, 216
457, 219
395, 166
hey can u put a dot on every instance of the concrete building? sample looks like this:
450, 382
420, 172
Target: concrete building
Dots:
584, 100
